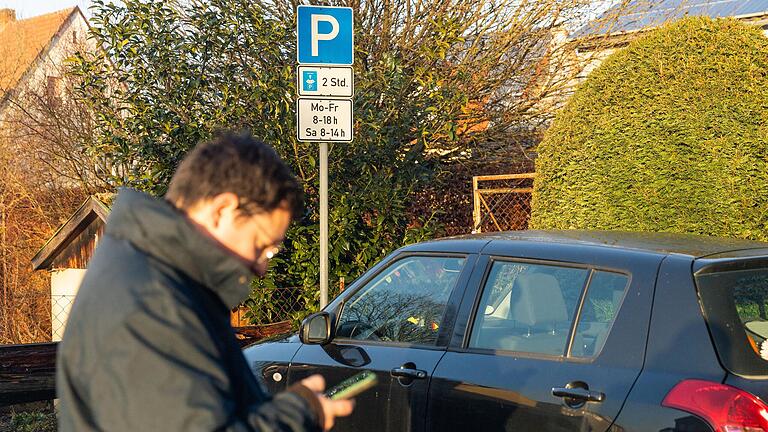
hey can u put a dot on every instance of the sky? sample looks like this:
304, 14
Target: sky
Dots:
30, 8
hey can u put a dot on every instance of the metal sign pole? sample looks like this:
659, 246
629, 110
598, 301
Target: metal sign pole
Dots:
323, 224
325, 86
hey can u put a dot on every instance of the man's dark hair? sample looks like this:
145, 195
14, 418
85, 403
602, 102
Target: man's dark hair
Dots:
240, 164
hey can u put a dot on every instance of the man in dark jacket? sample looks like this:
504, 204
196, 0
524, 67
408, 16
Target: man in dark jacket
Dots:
148, 345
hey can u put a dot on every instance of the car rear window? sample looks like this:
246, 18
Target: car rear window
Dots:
735, 305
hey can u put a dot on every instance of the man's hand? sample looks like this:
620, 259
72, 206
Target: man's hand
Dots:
331, 408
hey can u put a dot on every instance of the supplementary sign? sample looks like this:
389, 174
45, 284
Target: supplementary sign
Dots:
324, 119
324, 35
336, 81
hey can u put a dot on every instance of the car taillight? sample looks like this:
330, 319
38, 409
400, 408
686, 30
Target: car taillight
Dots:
726, 408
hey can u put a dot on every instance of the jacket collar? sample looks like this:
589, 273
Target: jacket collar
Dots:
159, 229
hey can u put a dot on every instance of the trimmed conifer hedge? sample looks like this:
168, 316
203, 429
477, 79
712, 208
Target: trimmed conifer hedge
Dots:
668, 134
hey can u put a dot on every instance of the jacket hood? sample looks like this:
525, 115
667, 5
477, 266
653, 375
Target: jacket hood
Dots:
160, 230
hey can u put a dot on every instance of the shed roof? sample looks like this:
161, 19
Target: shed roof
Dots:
93, 208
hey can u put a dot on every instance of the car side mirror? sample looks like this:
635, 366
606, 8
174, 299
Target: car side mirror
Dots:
316, 329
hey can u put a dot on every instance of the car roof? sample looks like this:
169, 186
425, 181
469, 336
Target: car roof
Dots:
661, 243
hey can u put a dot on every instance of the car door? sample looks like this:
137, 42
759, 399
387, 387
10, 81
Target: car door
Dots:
397, 324
545, 346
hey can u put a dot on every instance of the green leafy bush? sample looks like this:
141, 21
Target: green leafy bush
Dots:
668, 134
35, 421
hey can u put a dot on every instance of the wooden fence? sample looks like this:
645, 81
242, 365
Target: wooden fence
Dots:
27, 373
502, 202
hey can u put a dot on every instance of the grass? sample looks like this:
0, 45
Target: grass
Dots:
35, 420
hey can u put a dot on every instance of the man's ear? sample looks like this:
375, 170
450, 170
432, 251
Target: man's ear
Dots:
223, 206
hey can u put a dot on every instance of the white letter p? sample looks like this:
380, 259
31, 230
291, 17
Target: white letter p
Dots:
317, 36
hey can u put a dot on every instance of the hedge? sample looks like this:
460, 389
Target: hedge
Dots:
668, 134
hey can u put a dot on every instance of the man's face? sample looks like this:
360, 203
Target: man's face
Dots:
255, 238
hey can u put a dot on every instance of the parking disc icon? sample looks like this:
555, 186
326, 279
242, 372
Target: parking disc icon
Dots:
309, 81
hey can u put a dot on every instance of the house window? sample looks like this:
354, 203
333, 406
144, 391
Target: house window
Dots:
74, 36
53, 89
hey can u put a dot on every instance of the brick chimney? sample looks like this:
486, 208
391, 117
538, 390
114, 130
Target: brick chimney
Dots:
7, 16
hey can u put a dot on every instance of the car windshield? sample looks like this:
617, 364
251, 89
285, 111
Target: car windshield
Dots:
735, 304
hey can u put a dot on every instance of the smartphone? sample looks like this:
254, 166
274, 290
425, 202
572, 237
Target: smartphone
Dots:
352, 386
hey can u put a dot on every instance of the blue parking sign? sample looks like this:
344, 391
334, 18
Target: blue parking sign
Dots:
324, 35
309, 81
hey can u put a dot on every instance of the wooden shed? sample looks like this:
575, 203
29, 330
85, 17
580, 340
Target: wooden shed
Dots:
67, 253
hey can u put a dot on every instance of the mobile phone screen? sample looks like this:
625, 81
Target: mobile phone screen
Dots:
352, 386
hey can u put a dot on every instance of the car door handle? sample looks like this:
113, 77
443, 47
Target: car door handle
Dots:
402, 372
580, 394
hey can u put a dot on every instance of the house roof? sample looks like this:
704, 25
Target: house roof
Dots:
637, 15
23, 41
93, 208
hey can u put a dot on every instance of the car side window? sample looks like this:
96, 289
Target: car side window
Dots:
604, 296
527, 308
404, 303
